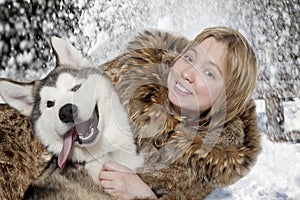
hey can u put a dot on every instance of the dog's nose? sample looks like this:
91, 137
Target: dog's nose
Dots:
68, 113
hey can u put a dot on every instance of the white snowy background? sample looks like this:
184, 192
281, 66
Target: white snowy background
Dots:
276, 174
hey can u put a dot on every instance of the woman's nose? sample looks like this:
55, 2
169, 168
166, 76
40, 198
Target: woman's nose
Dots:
189, 74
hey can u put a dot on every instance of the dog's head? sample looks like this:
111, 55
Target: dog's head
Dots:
63, 106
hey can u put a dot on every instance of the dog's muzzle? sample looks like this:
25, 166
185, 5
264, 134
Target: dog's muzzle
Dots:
87, 131
84, 132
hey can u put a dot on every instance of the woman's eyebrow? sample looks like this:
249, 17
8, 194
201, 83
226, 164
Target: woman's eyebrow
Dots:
216, 66
194, 51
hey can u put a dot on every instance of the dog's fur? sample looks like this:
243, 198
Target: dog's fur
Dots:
72, 101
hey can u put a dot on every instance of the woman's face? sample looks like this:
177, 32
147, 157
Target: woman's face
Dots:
196, 79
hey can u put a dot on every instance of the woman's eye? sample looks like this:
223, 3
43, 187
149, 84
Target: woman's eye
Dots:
210, 74
50, 104
188, 58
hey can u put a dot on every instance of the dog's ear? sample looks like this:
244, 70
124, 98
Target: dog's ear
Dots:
66, 53
18, 95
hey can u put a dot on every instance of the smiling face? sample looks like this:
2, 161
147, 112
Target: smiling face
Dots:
196, 79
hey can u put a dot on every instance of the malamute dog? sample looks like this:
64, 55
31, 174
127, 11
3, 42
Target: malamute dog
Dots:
76, 113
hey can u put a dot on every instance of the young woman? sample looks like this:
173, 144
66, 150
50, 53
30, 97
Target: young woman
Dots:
192, 112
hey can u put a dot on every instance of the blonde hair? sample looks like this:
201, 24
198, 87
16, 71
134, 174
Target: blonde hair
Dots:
240, 73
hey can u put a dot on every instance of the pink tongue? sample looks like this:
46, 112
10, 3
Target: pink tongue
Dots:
69, 139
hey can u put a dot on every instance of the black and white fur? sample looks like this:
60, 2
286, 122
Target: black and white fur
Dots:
76, 97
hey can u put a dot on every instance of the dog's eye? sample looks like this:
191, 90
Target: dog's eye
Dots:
75, 88
50, 104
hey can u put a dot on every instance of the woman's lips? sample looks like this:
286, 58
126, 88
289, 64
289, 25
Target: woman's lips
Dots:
181, 90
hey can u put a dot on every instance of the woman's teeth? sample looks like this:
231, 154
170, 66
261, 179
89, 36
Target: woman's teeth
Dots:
181, 89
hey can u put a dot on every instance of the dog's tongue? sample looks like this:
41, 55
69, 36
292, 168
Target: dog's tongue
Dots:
69, 139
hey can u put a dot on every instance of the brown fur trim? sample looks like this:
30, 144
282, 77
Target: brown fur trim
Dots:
147, 47
151, 39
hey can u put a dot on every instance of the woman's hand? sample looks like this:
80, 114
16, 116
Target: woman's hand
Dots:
120, 182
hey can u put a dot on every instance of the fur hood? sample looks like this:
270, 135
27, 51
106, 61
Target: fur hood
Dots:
182, 162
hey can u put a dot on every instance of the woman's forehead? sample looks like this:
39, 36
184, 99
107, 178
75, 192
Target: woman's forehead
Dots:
211, 51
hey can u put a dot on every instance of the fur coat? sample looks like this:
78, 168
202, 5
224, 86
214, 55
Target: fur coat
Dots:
22, 156
182, 162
